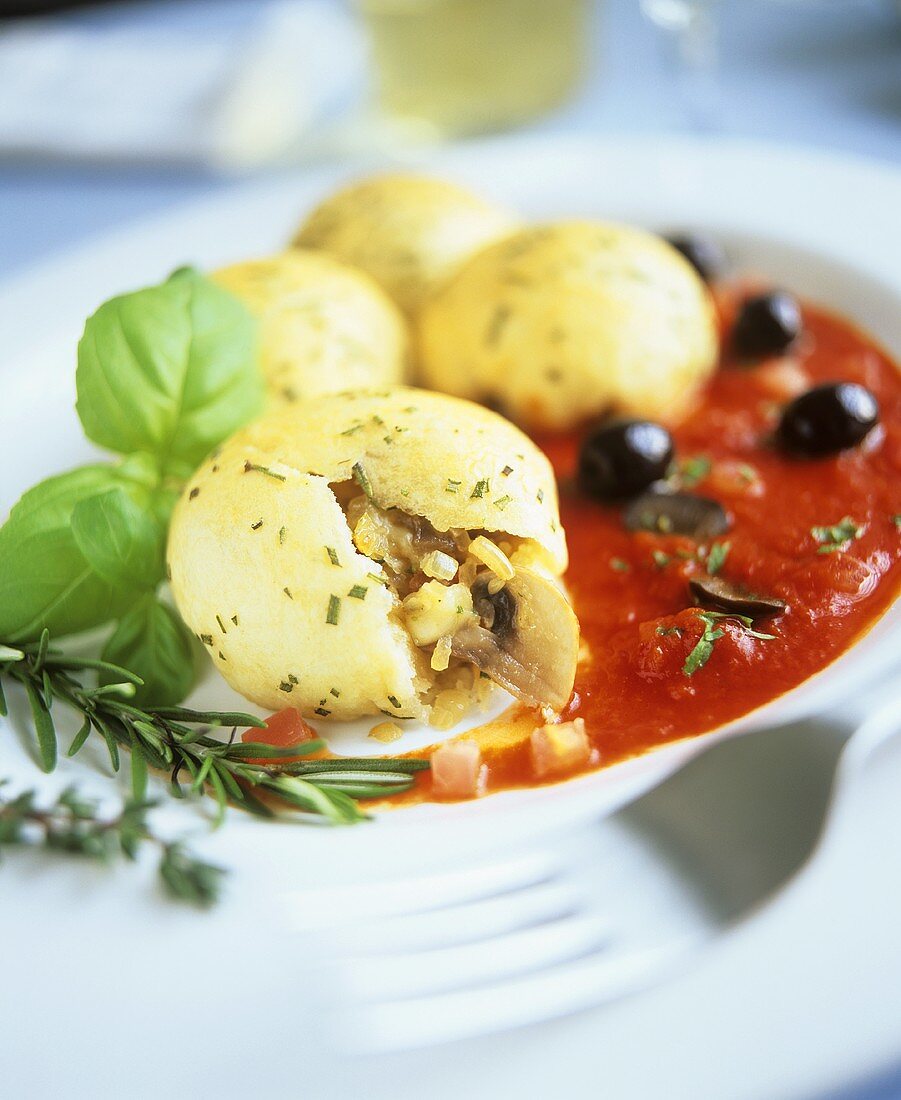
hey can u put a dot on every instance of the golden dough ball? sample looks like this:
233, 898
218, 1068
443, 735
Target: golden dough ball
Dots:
324, 327
337, 556
559, 323
409, 232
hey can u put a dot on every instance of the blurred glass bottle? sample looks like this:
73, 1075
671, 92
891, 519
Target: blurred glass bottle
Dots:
449, 67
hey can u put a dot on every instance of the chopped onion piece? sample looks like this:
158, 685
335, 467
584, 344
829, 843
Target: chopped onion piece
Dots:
456, 770
450, 707
441, 653
491, 555
370, 539
386, 732
559, 749
438, 565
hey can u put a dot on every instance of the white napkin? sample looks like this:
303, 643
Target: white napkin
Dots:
136, 93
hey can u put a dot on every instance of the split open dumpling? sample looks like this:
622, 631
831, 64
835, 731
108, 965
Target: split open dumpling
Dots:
370, 552
324, 326
559, 323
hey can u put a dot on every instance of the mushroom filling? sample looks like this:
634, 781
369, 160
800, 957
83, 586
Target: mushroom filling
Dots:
465, 602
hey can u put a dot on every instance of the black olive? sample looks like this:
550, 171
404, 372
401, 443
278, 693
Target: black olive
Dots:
722, 594
767, 324
677, 514
623, 457
496, 609
704, 253
827, 419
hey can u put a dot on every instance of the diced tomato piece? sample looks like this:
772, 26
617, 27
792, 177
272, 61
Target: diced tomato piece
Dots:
456, 770
782, 378
284, 729
560, 749
731, 478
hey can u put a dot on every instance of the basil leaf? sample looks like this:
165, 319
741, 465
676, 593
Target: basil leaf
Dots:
153, 642
120, 541
45, 579
170, 370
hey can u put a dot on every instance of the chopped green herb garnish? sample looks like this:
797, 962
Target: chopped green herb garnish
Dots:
717, 557
358, 592
350, 431
282, 535
194, 493
619, 565
335, 692
539, 496
747, 473
664, 631
250, 467
378, 580
332, 555
221, 624
452, 486
496, 325
207, 639
700, 655
293, 678
693, 470
394, 701
896, 519
661, 560
362, 479
836, 537
481, 488
502, 502
235, 619
285, 687
256, 526
334, 610
322, 711
287, 592
507, 470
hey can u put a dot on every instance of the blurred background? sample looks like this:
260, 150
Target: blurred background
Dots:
113, 110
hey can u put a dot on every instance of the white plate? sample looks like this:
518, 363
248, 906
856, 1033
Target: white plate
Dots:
826, 227
775, 213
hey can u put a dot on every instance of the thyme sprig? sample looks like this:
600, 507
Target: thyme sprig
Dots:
74, 825
255, 776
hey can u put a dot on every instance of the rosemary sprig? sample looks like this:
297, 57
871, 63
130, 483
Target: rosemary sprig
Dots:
73, 824
177, 740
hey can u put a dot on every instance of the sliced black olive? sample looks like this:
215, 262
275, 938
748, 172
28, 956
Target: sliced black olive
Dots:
621, 458
767, 324
720, 593
827, 419
677, 514
497, 610
704, 253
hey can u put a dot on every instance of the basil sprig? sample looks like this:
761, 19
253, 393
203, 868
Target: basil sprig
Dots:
164, 375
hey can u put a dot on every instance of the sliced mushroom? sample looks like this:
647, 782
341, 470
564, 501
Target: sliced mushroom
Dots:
720, 593
677, 514
527, 640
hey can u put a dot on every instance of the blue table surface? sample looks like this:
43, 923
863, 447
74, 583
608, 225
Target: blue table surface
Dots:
823, 73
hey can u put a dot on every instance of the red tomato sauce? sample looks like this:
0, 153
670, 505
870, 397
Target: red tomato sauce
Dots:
630, 589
